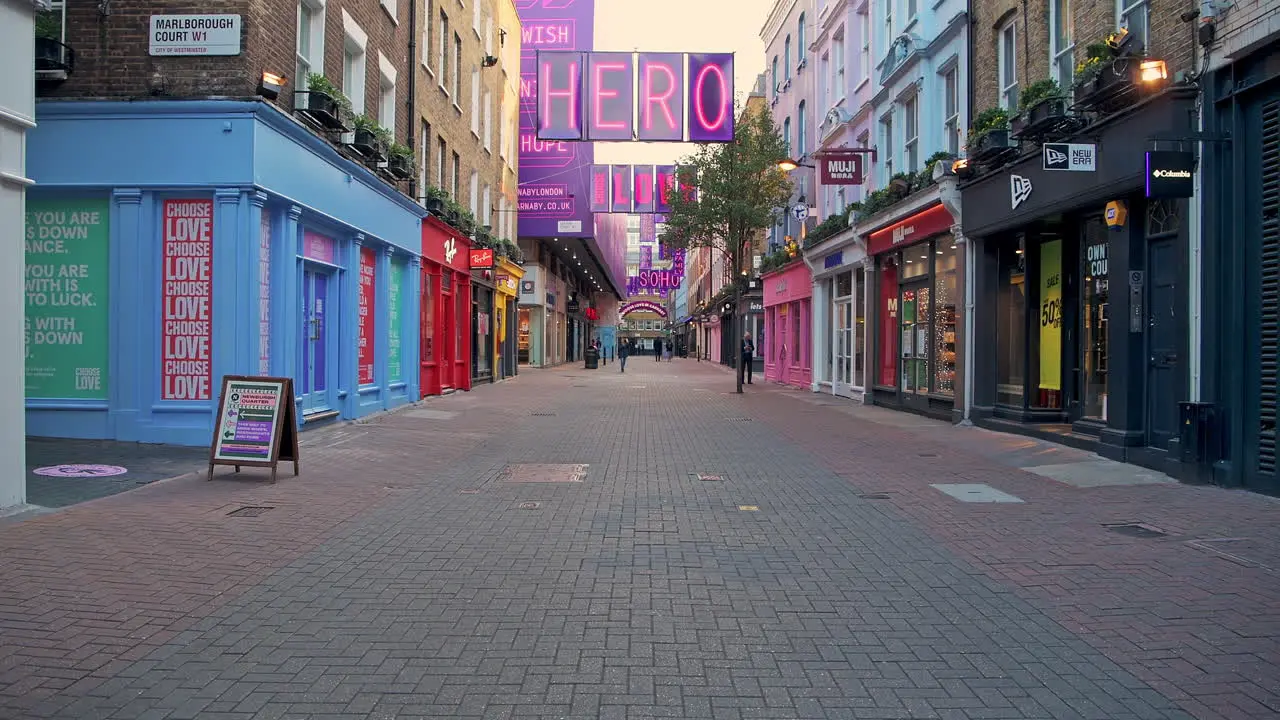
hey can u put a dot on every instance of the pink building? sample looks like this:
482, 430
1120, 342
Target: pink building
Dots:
790, 81
788, 311
843, 111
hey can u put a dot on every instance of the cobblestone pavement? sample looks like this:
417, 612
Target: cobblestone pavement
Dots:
425, 564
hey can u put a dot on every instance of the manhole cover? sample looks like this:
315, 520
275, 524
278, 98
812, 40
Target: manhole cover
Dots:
738, 419
250, 511
874, 496
80, 471
704, 477
544, 473
1137, 530
577, 385
927, 454
749, 508
542, 414
976, 493
470, 492
528, 506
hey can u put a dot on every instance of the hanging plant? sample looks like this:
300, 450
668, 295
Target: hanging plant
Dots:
1037, 92
993, 118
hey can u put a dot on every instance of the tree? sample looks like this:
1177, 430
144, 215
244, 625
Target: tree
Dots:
727, 194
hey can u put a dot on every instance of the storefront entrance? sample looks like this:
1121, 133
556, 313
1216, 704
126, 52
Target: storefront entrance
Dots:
915, 315
316, 370
1164, 324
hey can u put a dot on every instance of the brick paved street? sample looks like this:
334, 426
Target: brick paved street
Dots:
414, 570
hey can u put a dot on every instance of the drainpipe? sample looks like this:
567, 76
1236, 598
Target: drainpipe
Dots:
412, 99
1195, 247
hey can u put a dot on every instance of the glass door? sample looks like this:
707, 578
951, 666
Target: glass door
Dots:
914, 327
315, 366
844, 339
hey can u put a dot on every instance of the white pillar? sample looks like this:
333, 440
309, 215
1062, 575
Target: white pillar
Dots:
17, 115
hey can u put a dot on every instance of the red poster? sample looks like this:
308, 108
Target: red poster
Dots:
889, 325
365, 325
186, 337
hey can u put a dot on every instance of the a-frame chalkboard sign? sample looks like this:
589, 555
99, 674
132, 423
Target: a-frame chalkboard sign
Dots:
256, 424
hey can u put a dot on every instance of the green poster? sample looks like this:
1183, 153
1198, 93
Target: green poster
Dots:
395, 370
66, 298
1051, 315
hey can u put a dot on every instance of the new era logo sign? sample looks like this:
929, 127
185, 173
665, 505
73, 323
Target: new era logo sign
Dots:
1075, 157
1019, 190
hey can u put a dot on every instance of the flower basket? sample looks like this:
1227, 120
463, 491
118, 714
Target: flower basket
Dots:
321, 107
400, 166
1115, 80
1045, 117
366, 143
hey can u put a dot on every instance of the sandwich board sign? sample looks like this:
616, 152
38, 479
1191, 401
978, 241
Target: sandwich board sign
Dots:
256, 424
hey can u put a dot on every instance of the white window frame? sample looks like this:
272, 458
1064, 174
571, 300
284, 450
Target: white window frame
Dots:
1062, 50
827, 76
313, 60
886, 152
486, 208
474, 189
888, 22
427, 26
387, 94
457, 69
951, 109
424, 158
488, 37
488, 120
442, 170
446, 47
1126, 9
911, 133
838, 63
786, 59
504, 136
802, 137
354, 62
913, 10
392, 8
865, 51
457, 173
1007, 55
802, 52
786, 134
475, 102
475, 19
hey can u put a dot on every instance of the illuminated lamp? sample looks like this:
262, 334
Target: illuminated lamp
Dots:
1153, 72
962, 169
271, 85
1116, 214
787, 165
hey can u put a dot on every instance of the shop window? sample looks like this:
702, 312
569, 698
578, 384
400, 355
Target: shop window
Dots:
888, 321
859, 328
1061, 43
915, 262
916, 313
1094, 294
1007, 65
1132, 16
1011, 330
944, 329
427, 340
1049, 322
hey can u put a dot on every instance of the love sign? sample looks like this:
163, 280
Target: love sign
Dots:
646, 97
186, 301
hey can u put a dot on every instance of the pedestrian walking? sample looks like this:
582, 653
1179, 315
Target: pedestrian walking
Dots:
624, 351
657, 349
667, 350
748, 354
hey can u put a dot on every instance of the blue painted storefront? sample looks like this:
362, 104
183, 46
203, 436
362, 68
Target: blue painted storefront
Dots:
264, 173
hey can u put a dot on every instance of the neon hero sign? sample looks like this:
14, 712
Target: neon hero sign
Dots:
672, 97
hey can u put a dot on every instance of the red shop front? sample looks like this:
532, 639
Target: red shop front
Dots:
446, 309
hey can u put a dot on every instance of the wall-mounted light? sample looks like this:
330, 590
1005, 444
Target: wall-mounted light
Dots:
1153, 71
488, 61
271, 85
961, 169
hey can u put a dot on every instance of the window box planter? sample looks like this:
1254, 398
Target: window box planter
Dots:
992, 145
400, 167
320, 107
1047, 117
435, 206
366, 143
1115, 81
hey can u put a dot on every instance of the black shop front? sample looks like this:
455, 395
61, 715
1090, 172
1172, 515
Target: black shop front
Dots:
1080, 292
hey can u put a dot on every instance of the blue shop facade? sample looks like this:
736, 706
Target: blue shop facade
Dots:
171, 243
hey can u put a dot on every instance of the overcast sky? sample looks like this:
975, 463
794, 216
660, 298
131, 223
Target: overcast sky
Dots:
680, 26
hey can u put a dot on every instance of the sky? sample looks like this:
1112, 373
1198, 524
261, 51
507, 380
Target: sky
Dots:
680, 26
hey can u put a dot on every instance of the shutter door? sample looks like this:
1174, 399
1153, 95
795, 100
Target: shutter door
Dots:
1269, 327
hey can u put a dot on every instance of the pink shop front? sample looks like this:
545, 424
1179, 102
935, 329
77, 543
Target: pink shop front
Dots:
788, 313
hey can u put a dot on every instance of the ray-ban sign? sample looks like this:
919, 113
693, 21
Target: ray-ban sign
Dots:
671, 97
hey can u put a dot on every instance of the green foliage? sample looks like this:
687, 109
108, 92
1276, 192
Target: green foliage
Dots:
396, 150
934, 159
739, 190
511, 251
833, 225
49, 24
319, 83
365, 123
993, 118
778, 259
1037, 91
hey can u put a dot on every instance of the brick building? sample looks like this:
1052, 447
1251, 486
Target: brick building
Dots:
1079, 264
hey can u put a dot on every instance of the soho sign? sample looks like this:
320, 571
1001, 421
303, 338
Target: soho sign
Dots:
589, 96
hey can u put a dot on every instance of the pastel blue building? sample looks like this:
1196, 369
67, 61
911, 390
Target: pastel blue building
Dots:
309, 268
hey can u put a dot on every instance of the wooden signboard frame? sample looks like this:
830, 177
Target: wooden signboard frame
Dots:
284, 427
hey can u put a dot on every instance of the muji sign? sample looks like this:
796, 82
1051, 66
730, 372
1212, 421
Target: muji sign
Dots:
673, 97
837, 167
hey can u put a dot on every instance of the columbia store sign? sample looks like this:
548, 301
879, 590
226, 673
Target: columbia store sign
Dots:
1170, 174
195, 35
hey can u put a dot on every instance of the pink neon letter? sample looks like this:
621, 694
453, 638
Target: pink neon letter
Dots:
570, 93
619, 197
697, 97
599, 92
662, 100
644, 188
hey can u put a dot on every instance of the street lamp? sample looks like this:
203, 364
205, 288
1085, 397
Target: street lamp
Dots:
787, 165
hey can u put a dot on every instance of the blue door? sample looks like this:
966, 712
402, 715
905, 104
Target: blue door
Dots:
315, 332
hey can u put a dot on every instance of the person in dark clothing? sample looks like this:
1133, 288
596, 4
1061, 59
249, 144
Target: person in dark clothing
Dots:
657, 349
624, 351
748, 354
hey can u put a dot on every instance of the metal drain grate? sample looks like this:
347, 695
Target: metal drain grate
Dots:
250, 511
875, 496
542, 414
738, 419
749, 508
469, 492
927, 454
704, 477
1137, 530
529, 506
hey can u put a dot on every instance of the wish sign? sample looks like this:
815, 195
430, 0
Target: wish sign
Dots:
647, 97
